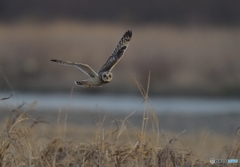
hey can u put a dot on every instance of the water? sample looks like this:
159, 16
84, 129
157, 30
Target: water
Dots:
110, 103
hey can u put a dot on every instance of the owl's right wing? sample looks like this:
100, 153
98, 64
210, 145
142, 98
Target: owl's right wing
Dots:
118, 52
83, 67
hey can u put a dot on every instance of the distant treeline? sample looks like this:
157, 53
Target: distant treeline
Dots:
181, 12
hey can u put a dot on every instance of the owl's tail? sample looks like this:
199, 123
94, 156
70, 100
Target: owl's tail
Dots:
82, 84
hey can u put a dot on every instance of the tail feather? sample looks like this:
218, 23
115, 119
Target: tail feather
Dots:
82, 84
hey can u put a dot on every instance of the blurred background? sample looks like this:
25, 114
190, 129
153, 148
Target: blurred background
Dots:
191, 48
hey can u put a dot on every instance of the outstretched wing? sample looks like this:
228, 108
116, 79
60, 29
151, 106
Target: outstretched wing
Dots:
117, 53
83, 67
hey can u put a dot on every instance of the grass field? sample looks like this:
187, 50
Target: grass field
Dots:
54, 140
28, 141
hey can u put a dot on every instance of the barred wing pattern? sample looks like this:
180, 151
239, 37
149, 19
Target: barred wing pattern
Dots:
117, 53
83, 67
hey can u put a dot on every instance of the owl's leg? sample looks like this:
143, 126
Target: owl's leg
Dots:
82, 84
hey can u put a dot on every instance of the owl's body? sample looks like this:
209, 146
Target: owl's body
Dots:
104, 75
95, 81
90, 82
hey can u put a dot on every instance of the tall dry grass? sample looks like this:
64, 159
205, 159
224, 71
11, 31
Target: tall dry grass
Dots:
121, 144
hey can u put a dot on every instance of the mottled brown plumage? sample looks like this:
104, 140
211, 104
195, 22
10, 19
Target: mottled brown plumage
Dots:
104, 75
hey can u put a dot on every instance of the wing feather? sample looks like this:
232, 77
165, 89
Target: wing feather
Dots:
117, 53
83, 67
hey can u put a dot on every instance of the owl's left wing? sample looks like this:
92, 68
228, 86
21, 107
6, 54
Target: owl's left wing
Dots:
83, 67
118, 52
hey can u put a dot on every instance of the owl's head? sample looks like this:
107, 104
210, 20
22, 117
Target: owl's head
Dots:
107, 76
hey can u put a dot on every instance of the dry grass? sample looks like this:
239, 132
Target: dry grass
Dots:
20, 146
121, 144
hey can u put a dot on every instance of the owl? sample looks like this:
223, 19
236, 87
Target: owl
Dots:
104, 75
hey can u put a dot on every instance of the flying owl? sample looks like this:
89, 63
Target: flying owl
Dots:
104, 75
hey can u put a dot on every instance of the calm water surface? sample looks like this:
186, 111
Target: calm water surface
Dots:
112, 103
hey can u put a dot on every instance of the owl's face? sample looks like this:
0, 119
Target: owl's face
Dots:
107, 76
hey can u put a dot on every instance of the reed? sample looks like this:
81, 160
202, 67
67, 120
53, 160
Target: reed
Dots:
119, 144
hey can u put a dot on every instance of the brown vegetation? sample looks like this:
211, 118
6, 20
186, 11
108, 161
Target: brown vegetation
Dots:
190, 60
121, 144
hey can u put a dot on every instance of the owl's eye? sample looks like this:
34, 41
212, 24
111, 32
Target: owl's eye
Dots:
104, 75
